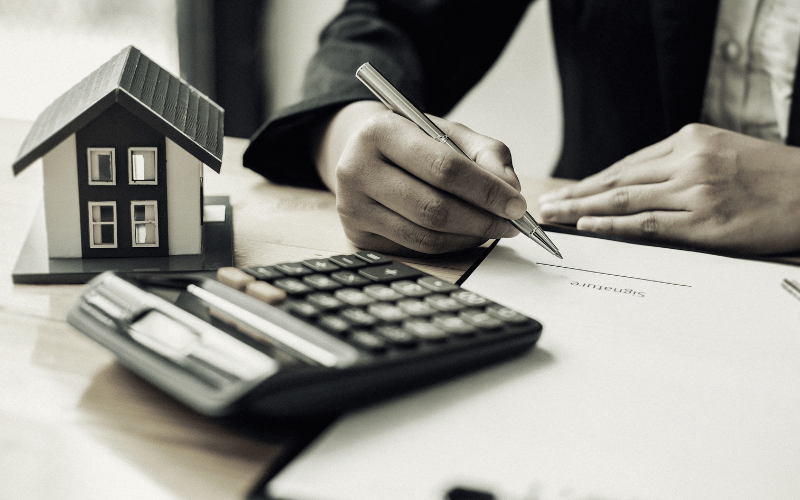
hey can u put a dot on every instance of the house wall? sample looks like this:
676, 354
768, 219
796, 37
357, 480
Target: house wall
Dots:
62, 215
184, 206
117, 127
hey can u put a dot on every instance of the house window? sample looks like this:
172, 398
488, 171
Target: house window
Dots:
144, 221
102, 166
142, 165
102, 224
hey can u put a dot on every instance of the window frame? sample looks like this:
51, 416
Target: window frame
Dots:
154, 222
113, 180
131, 180
92, 224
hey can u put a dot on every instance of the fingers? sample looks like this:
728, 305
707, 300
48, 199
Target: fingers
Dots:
620, 201
384, 207
376, 227
703, 186
396, 188
404, 145
657, 225
490, 154
646, 166
421, 203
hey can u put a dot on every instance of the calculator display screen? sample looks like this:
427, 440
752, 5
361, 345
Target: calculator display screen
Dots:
199, 308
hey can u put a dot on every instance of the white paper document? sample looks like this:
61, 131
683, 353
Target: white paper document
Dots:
660, 374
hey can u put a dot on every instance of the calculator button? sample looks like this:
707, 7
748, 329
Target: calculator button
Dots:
321, 282
292, 285
424, 329
453, 324
470, 298
293, 269
436, 284
264, 273
321, 265
373, 258
367, 341
266, 293
234, 277
387, 312
416, 307
334, 325
481, 319
301, 308
396, 335
389, 272
350, 278
383, 293
324, 301
358, 317
347, 261
443, 303
410, 288
353, 297
506, 314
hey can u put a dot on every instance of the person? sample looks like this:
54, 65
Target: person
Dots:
678, 116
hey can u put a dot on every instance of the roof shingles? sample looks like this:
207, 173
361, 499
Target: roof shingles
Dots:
168, 104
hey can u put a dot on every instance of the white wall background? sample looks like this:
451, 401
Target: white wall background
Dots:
46, 46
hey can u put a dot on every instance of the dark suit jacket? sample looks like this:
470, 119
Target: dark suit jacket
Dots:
632, 72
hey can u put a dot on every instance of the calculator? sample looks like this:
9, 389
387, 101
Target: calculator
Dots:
298, 339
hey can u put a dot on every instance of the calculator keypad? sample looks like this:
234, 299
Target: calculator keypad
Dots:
379, 305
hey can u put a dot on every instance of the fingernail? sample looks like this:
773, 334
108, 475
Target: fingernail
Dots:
587, 223
515, 208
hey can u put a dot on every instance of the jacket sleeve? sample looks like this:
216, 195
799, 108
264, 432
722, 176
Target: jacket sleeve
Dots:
433, 51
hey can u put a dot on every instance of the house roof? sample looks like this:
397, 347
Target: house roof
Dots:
167, 103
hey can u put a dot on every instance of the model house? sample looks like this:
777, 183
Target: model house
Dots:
123, 154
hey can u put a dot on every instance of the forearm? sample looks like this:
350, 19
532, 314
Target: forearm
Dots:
415, 44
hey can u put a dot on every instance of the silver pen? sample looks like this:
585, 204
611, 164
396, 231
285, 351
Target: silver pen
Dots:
396, 102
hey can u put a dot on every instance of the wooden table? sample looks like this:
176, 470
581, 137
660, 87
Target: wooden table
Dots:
75, 424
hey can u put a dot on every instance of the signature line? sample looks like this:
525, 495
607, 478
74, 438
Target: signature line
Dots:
616, 275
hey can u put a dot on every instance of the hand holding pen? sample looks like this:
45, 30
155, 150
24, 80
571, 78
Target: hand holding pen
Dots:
398, 190
395, 101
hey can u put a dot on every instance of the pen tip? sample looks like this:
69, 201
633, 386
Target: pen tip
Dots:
558, 254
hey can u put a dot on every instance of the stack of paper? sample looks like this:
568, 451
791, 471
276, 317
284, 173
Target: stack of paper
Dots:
661, 374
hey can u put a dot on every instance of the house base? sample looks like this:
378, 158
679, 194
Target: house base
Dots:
35, 267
